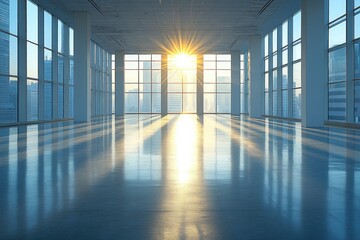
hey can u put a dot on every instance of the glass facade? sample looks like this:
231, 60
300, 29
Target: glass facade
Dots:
282, 75
8, 61
142, 83
100, 81
217, 83
182, 85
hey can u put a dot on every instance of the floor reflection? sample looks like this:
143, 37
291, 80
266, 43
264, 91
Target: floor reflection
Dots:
179, 177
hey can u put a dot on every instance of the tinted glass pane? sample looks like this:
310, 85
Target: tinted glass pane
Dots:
297, 75
145, 103
32, 22
32, 60
47, 29
174, 103
71, 101
266, 82
285, 34
266, 64
275, 60
337, 65
274, 40
60, 36
47, 65
357, 102
60, 68
357, 26
274, 82
8, 54
275, 105
285, 57
337, 101
209, 103
337, 8
337, 35
297, 26
285, 105
357, 60
297, 52
48, 101
189, 103
284, 78
266, 45
223, 76
223, 103
297, 103
71, 42
8, 99
131, 102
266, 103
8, 16
60, 101
71, 80
32, 100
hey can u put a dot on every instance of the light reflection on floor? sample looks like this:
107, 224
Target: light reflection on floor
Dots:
179, 177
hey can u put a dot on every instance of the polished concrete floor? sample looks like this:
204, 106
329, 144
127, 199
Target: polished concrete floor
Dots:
179, 177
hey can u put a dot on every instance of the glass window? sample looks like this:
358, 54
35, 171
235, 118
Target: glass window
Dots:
266, 82
71, 101
47, 65
47, 29
357, 102
48, 101
285, 107
8, 16
337, 34
60, 101
297, 103
266, 45
275, 103
223, 102
337, 8
266, 103
274, 40
32, 100
32, 22
356, 3
337, 101
60, 68
284, 78
285, 56
357, 26
8, 99
357, 60
337, 65
297, 26
32, 60
71, 79
297, 75
285, 34
8, 54
275, 62
297, 52
210, 102
145, 102
71, 42
60, 36
275, 80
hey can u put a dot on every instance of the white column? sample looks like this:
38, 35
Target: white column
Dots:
119, 83
82, 100
314, 63
256, 79
164, 89
200, 84
235, 82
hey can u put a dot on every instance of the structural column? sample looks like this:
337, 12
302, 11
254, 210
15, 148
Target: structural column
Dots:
164, 81
235, 82
256, 105
314, 63
22, 67
200, 84
82, 99
119, 83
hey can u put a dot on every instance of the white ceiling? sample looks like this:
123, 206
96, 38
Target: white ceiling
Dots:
155, 25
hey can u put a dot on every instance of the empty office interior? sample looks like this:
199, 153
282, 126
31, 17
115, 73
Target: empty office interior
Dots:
179, 119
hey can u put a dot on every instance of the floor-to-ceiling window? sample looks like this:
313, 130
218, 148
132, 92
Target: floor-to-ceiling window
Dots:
100, 80
32, 61
113, 83
8, 61
282, 69
142, 83
182, 83
48, 67
71, 79
244, 83
357, 61
217, 83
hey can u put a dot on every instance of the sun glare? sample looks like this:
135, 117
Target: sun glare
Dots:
182, 61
